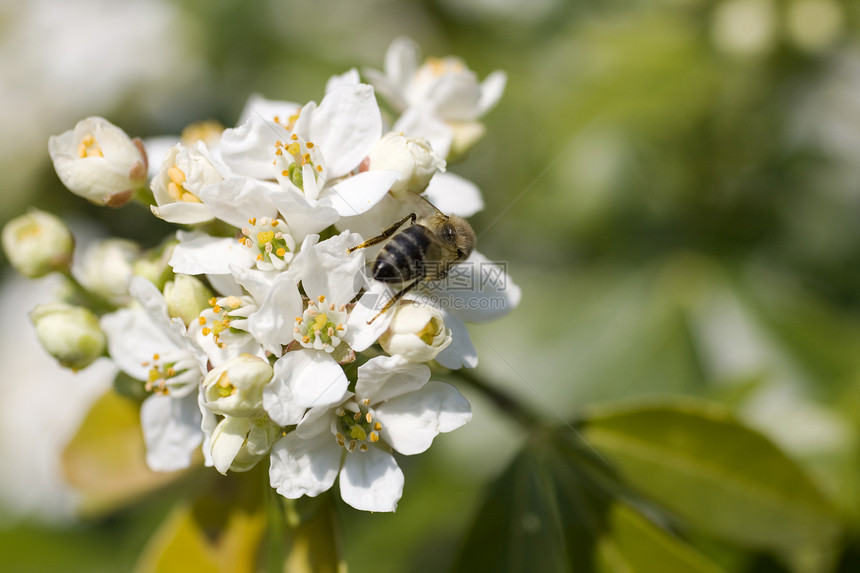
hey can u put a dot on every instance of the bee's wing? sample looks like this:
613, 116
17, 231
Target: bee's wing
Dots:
424, 207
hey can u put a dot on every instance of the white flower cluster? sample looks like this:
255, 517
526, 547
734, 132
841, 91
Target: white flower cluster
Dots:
267, 337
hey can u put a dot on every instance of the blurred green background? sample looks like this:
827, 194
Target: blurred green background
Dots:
674, 185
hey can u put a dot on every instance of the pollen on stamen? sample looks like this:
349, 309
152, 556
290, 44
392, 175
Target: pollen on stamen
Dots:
377, 426
201, 320
319, 168
306, 339
206, 331
362, 447
374, 437
321, 298
252, 221
368, 417
285, 173
212, 301
366, 401
356, 416
294, 137
156, 356
309, 145
281, 252
216, 309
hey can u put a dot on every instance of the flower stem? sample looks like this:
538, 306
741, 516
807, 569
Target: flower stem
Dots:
505, 402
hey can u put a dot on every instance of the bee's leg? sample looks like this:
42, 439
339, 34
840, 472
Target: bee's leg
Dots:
397, 296
386, 233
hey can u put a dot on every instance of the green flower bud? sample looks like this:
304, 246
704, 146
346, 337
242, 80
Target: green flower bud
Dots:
38, 243
186, 298
71, 334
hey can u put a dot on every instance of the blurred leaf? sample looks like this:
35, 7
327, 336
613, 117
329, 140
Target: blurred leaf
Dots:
220, 531
556, 509
105, 460
634, 544
716, 474
312, 538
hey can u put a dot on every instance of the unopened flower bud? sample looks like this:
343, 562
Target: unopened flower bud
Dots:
99, 162
416, 161
417, 333
38, 243
71, 334
106, 267
186, 297
237, 444
236, 387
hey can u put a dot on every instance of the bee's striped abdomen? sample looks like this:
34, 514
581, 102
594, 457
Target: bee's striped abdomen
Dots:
402, 258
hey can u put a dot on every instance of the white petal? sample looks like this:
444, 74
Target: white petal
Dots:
182, 213
359, 334
201, 254
487, 292
171, 431
249, 149
303, 217
461, 352
329, 269
491, 91
371, 480
346, 125
303, 379
133, 338
267, 109
228, 438
237, 199
348, 78
273, 322
384, 377
411, 421
454, 195
304, 466
419, 122
359, 193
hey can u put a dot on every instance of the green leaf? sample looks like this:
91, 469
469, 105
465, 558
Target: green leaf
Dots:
716, 474
555, 508
220, 531
105, 460
634, 544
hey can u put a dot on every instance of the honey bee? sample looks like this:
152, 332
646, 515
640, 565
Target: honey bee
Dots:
424, 251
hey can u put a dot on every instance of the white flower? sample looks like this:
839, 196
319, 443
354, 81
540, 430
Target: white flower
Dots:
71, 334
331, 277
176, 188
315, 154
412, 157
417, 332
440, 100
394, 407
148, 345
38, 243
99, 162
265, 243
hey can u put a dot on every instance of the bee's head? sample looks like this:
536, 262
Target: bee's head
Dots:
457, 233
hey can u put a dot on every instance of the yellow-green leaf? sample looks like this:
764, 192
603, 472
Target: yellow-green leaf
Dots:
716, 474
105, 460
